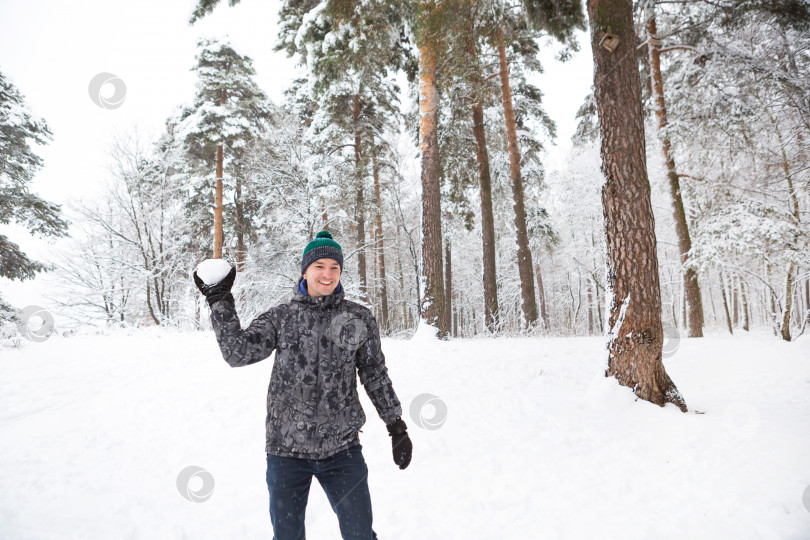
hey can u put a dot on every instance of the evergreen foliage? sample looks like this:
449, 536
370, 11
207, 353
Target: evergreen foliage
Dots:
19, 128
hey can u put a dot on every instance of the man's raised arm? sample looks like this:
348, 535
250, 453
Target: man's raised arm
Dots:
240, 347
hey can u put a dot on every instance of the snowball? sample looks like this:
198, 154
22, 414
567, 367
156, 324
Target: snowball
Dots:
212, 271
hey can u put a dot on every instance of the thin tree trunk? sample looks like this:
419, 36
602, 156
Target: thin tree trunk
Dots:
788, 302
692, 287
772, 296
590, 307
240, 225
456, 316
359, 202
524, 253
432, 307
797, 216
797, 299
218, 207
636, 331
711, 300
736, 300
149, 302
448, 281
487, 219
379, 242
218, 195
746, 325
683, 306
725, 302
405, 321
599, 304
542, 293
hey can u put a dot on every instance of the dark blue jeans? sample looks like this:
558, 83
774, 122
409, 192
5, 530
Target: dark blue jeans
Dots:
344, 478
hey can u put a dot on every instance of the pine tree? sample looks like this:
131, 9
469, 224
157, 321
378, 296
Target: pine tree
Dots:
559, 19
690, 277
18, 165
465, 86
487, 28
635, 328
429, 28
228, 112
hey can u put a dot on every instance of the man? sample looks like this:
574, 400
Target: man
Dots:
314, 415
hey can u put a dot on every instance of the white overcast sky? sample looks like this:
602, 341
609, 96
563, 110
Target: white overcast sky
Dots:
51, 49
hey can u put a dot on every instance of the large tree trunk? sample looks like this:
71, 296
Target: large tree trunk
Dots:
691, 286
487, 219
379, 243
432, 306
636, 334
524, 253
359, 203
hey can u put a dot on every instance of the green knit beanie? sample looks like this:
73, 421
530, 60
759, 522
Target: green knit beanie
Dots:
322, 247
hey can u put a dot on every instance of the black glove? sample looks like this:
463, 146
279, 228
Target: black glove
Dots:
217, 291
400, 443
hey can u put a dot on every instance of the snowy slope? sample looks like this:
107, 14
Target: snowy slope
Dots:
94, 431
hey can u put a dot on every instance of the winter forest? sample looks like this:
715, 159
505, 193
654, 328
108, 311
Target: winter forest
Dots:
479, 240
415, 132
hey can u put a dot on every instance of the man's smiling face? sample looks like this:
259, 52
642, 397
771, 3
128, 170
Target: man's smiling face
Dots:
322, 277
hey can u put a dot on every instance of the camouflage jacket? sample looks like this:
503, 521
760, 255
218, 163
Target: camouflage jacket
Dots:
321, 344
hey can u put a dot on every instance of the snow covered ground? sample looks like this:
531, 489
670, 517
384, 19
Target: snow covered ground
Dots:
94, 431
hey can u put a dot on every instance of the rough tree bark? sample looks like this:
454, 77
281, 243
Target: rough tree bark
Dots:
432, 303
635, 330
